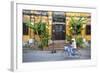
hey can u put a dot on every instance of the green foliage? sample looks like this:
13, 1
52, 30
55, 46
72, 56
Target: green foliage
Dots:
68, 37
79, 41
41, 30
76, 25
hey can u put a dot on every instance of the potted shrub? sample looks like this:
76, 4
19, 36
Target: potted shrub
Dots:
40, 29
76, 26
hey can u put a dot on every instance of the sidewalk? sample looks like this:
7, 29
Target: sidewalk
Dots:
38, 56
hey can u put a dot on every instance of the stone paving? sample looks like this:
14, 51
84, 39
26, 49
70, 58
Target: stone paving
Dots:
38, 56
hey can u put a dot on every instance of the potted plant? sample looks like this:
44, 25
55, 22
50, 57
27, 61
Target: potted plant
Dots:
41, 30
76, 26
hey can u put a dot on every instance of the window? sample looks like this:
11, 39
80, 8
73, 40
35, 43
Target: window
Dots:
58, 17
25, 29
88, 29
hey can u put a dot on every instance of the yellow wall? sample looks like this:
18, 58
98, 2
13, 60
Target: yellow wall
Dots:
48, 20
25, 38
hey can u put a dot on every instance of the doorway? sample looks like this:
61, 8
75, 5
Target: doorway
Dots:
58, 27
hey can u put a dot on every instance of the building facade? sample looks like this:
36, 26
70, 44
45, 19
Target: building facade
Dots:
58, 23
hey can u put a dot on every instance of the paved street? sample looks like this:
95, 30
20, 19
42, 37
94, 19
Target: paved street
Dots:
38, 56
